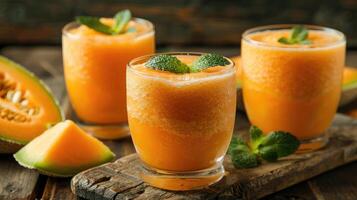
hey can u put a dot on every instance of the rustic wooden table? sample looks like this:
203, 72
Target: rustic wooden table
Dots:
17, 182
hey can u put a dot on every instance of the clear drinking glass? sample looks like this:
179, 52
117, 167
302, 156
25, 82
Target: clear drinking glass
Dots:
181, 124
294, 88
94, 69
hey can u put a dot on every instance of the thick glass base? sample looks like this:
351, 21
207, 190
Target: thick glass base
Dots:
107, 132
181, 181
101, 131
313, 144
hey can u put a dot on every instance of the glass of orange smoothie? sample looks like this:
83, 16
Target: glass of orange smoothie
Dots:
181, 123
293, 87
95, 69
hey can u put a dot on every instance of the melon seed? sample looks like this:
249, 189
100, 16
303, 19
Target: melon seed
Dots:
16, 97
31, 111
13, 116
9, 95
24, 102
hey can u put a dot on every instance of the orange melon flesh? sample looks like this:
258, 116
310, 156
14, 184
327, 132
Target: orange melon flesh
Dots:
63, 150
39, 94
349, 78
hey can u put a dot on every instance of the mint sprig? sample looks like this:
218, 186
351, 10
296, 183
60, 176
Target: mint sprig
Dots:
95, 24
171, 63
270, 148
121, 20
241, 154
166, 62
208, 60
299, 35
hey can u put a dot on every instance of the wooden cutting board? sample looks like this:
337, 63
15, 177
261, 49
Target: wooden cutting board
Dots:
120, 179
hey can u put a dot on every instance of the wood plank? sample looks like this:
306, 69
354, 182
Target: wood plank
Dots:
120, 179
300, 191
336, 184
177, 22
16, 182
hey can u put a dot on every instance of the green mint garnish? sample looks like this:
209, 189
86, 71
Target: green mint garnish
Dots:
241, 154
277, 144
172, 64
209, 60
95, 24
271, 147
256, 136
167, 63
121, 20
299, 35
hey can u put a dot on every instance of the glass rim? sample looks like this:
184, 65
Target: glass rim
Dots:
178, 77
341, 40
73, 24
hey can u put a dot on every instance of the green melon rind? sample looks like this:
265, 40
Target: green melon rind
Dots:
50, 170
38, 81
350, 85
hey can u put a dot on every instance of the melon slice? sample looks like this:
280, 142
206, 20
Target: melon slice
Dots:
63, 150
349, 78
26, 106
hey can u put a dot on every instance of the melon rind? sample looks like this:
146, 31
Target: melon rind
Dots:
50, 170
9, 145
35, 154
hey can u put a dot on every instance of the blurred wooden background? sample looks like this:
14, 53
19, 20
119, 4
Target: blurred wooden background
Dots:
178, 22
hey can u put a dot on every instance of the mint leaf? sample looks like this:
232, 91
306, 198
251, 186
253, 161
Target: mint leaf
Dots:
95, 24
209, 60
167, 63
121, 19
235, 142
270, 148
241, 154
278, 144
256, 136
268, 153
284, 40
299, 35
244, 159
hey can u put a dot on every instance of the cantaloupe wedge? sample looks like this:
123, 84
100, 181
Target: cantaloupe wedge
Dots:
349, 78
63, 150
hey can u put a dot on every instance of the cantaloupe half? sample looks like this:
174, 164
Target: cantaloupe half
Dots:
349, 84
63, 150
27, 106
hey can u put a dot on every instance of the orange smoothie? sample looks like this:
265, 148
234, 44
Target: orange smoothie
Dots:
95, 68
294, 88
181, 122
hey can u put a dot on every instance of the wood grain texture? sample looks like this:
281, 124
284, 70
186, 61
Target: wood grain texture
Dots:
120, 179
16, 182
176, 21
